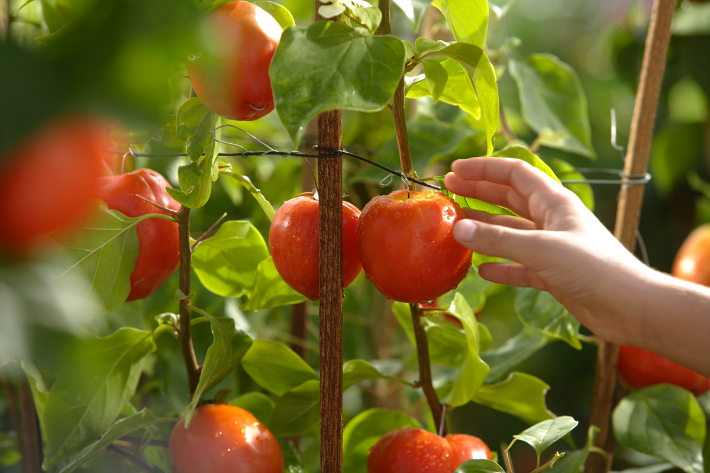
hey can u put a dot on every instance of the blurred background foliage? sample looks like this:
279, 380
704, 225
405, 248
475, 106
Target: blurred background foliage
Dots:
126, 59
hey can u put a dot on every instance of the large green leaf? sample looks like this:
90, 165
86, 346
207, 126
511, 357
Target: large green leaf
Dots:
328, 66
414, 10
259, 404
573, 462
458, 89
275, 367
552, 98
246, 182
665, 421
524, 154
566, 171
122, 427
297, 411
88, 396
279, 12
229, 346
479, 466
270, 290
104, 251
514, 351
355, 371
364, 431
227, 262
543, 434
521, 395
541, 311
467, 19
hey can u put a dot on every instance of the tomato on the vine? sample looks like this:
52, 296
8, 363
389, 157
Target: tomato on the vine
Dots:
692, 263
413, 450
158, 239
294, 242
231, 74
639, 368
223, 438
48, 180
407, 247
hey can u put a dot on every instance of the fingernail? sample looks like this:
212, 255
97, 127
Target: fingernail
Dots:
464, 230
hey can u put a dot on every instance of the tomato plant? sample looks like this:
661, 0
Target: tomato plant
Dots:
417, 451
222, 438
159, 253
692, 262
407, 248
293, 238
231, 73
48, 180
639, 368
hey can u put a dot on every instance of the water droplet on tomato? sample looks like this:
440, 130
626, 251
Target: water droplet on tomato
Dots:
244, 430
430, 302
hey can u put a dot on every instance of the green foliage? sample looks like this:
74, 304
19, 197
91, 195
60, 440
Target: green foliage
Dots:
675, 150
275, 367
521, 395
665, 421
257, 403
540, 310
565, 171
270, 290
479, 466
296, 411
227, 262
524, 154
542, 435
279, 12
303, 87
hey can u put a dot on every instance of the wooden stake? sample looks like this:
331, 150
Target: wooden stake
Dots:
629, 211
330, 228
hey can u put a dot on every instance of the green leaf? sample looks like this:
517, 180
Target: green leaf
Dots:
458, 89
364, 431
257, 403
479, 466
195, 122
573, 462
514, 351
120, 428
521, 395
275, 367
279, 12
665, 421
541, 311
467, 19
566, 171
674, 152
552, 97
436, 77
87, 397
473, 288
482, 76
414, 10
246, 182
692, 21
369, 17
227, 262
542, 435
51, 17
355, 371
292, 459
223, 356
297, 411
473, 370
39, 389
500, 7
328, 66
104, 251
9, 455
270, 290
524, 154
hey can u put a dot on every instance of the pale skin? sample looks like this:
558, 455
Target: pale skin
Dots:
561, 247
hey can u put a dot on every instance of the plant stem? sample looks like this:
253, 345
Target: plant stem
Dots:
133, 458
506, 129
400, 127
209, 230
158, 206
385, 25
628, 214
298, 329
425, 366
31, 439
184, 333
11, 401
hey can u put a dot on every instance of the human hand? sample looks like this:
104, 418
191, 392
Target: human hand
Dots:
557, 243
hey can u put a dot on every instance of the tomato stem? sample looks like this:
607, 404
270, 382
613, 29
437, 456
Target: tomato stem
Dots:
425, 369
184, 332
157, 205
209, 230
133, 458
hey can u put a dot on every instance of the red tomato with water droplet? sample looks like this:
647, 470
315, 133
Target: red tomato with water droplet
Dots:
223, 438
231, 72
414, 450
158, 239
407, 246
294, 242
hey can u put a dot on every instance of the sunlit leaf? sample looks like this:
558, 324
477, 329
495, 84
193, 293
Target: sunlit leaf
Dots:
246, 182
467, 19
279, 12
542, 435
540, 310
479, 466
521, 395
297, 410
259, 404
524, 154
275, 367
566, 171
692, 20
436, 78
674, 152
458, 89
270, 290
573, 462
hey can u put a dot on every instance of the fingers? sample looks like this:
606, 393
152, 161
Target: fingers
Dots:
488, 192
503, 220
523, 246
511, 274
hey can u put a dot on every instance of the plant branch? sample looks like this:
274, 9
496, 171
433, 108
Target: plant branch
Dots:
139, 440
385, 25
158, 206
209, 230
11, 401
425, 367
133, 458
184, 332
31, 438
506, 129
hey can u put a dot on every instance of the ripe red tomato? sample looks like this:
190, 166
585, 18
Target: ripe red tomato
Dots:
413, 450
639, 368
223, 438
407, 246
48, 180
158, 239
293, 239
692, 263
231, 73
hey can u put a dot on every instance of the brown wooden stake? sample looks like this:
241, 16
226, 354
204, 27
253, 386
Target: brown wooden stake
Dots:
330, 229
31, 439
629, 211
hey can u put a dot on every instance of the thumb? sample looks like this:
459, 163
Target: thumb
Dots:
495, 240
